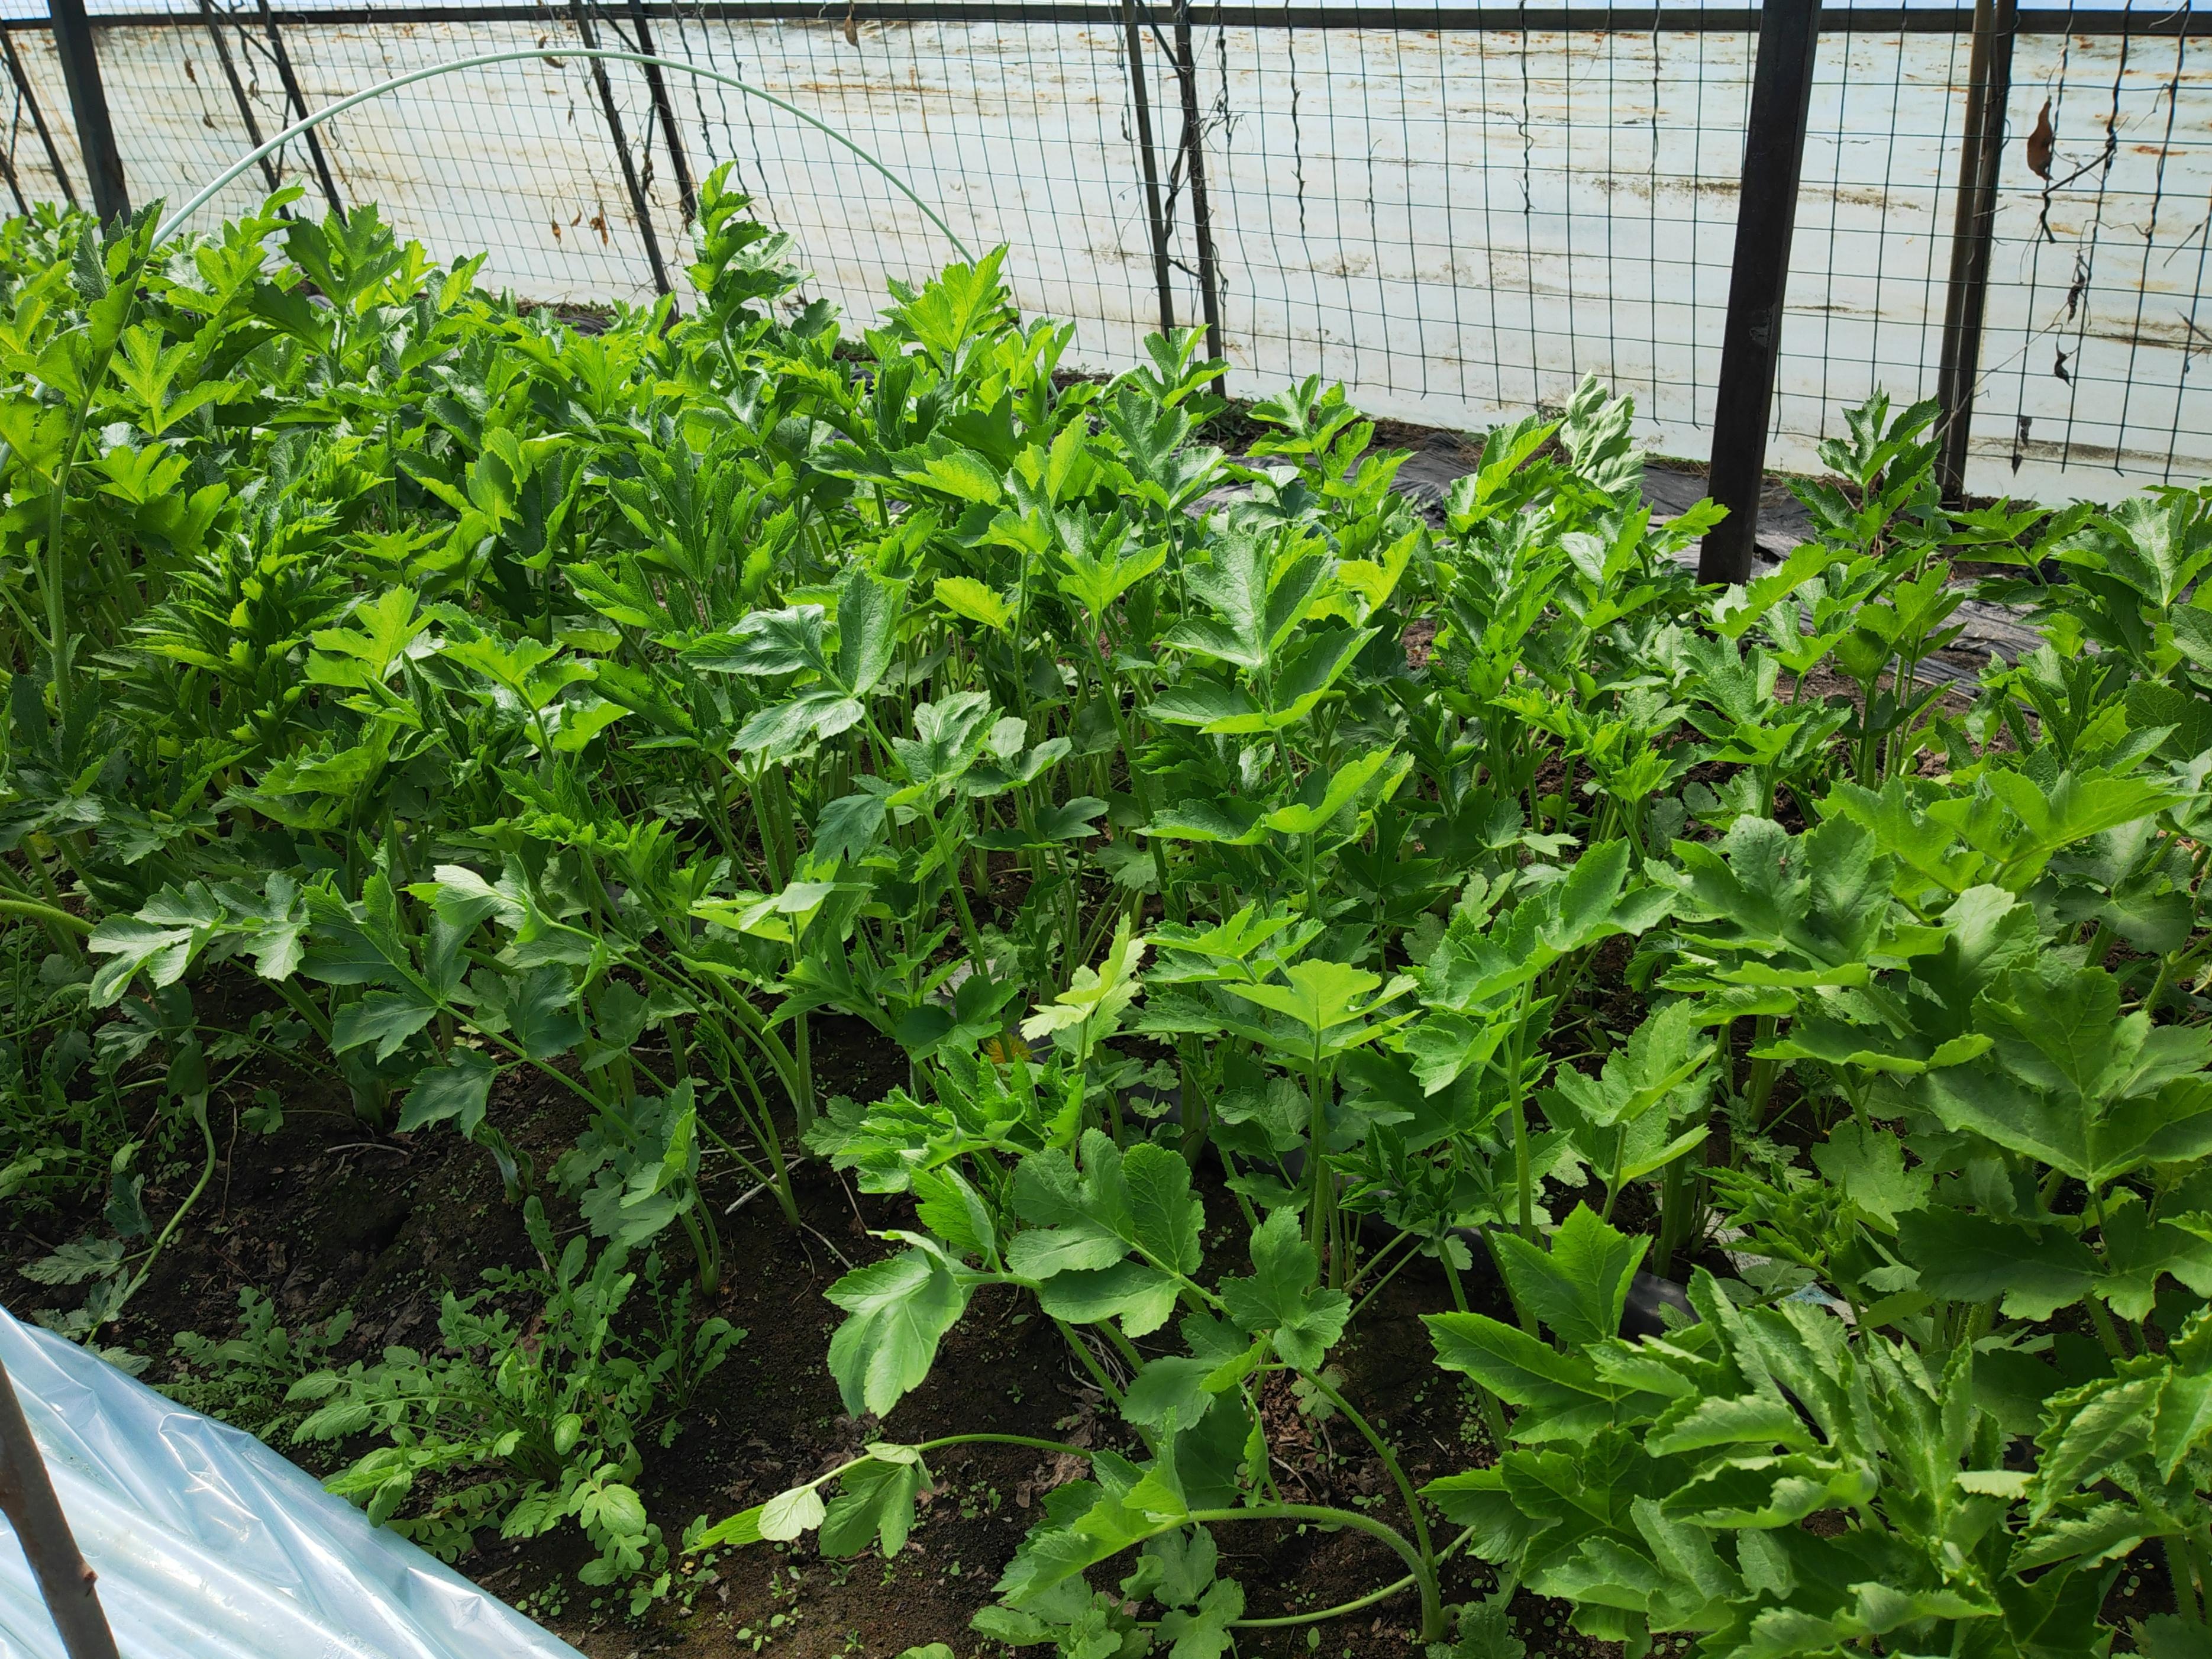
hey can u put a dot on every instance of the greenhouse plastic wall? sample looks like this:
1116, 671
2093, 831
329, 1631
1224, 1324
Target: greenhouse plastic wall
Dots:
1455, 216
209, 1546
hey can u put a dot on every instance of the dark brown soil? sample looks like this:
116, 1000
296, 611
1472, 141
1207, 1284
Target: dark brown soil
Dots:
325, 1214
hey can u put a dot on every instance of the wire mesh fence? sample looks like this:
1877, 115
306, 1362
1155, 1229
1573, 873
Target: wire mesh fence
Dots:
1457, 213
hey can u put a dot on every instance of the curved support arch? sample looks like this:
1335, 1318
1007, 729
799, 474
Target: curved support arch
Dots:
482, 60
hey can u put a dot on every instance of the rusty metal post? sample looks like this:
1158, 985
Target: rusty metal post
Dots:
666, 110
37, 116
1989, 85
639, 205
238, 93
27, 1498
299, 102
15, 187
1201, 216
96, 132
1155, 221
1766, 211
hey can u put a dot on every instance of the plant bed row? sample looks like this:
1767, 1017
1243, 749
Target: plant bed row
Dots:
833, 991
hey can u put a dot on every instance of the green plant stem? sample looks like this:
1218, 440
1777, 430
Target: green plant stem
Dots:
1377, 1289
1674, 1198
1423, 1569
1122, 1346
1140, 783
1375, 1260
304, 1005
1451, 1276
2107, 1332
1762, 1071
1084, 1452
1090, 1362
1287, 1621
2178, 1566
969, 931
1613, 1181
207, 1173
47, 915
706, 1245
1524, 1179
1321, 1189
1384, 1450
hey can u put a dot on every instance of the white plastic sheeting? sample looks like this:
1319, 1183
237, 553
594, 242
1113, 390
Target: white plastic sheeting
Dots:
210, 1546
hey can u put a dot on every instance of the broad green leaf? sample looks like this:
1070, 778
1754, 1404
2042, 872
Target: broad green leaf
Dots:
1203, 1632
817, 712
2103, 1533
1762, 1420
1976, 1258
1330, 1002
1343, 785
1208, 705
1233, 822
792, 1514
898, 1310
848, 828
1165, 1215
868, 631
1282, 1296
1172, 1384
1579, 1287
135, 945
1867, 1166
874, 1503
1559, 1394
1085, 1014
948, 736
1091, 1218
965, 597
541, 1017
1141, 1297
1770, 1491
457, 1091
963, 474
787, 642
385, 1018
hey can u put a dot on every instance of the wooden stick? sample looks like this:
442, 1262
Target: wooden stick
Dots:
27, 1498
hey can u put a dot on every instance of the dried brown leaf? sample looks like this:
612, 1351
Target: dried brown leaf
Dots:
2039, 143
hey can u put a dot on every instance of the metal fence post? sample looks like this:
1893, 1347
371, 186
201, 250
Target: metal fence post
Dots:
1766, 209
299, 102
37, 116
238, 93
1194, 151
1141, 94
1989, 85
639, 205
95, 133
666, 110
15, 188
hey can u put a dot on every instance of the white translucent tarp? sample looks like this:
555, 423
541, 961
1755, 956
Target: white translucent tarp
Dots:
210, 1546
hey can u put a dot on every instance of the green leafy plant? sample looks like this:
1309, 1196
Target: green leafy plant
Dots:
524, 1425
498, 711
246, 1379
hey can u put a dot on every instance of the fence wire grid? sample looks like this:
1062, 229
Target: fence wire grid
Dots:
1458, 213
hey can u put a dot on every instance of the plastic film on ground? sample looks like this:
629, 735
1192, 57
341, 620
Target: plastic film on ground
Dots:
209, 1545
